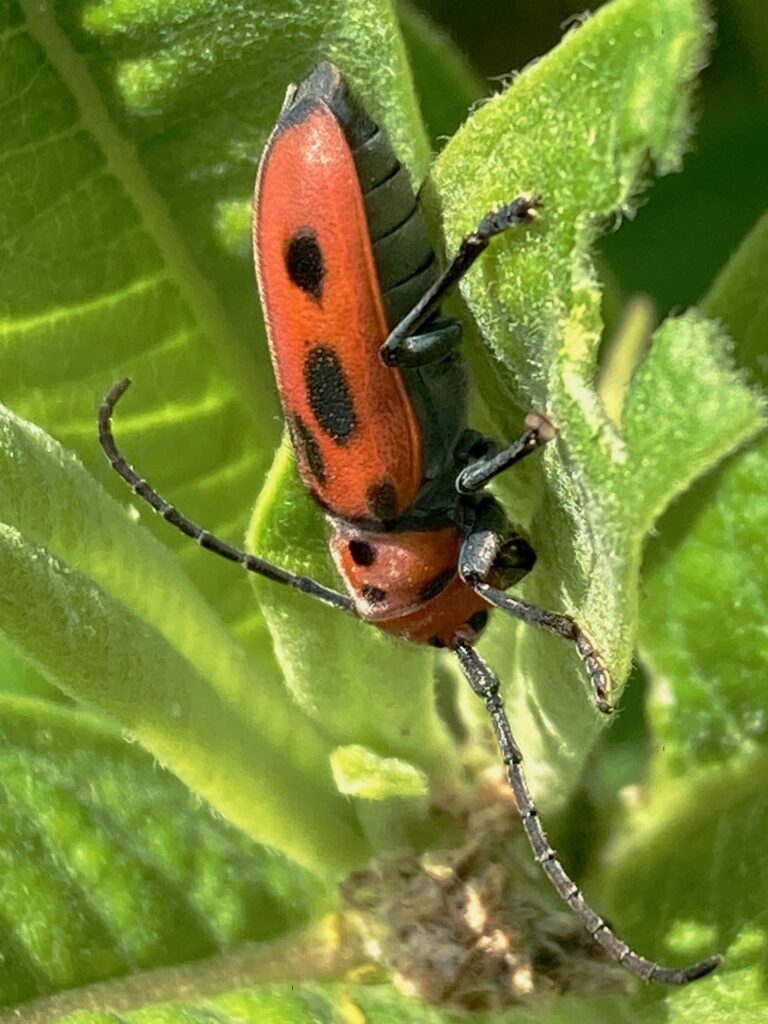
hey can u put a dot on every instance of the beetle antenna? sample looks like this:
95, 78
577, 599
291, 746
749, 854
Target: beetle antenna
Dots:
176, 518
485, 683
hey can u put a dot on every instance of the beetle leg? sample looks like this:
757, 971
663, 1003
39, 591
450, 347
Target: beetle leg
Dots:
491, 550
485, 684
429, 346
560, 625
520, 211
483, 542
205, 539
478, 474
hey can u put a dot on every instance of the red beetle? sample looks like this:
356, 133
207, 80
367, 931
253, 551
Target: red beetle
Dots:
374, 394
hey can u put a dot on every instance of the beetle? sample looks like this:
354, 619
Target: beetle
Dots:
374, 394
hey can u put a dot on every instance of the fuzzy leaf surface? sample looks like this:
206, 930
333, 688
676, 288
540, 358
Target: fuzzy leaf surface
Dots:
694, 846
580, 128
704, 634
110, 618
110, 865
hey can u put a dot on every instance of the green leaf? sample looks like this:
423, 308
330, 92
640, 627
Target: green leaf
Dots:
738, 300
390, 795
704, 636
109, 865
693, 848
580, 128
111, 619
673, 432
692, 858
123, 290
362, 773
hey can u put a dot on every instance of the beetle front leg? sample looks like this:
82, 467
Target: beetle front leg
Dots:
540, 431
491, 551
561, 625
428, 346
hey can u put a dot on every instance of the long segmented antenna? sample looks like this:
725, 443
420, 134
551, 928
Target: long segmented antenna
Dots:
205, 539
486, 685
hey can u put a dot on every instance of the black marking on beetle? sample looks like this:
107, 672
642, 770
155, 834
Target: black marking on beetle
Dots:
329, 393
373, 595
308, 449
436, 641
362, 552
478, 621
436, 585
304, 262
382, 500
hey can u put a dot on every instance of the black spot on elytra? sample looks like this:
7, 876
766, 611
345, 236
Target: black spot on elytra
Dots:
373, 595
362, 552
329, 393
304, 262
478, 621
436, 585
307, 448
382, 500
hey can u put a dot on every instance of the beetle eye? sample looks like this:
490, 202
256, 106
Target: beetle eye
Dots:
515, 560
478, 621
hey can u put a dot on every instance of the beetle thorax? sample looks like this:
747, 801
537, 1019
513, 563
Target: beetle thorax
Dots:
407, 583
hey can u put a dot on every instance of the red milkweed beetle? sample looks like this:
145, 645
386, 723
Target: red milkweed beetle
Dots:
374, 395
